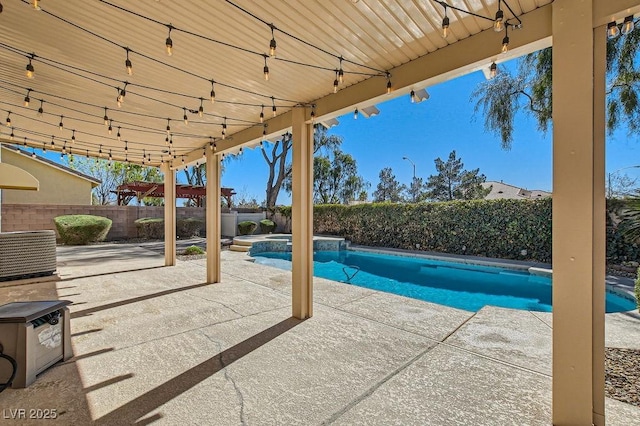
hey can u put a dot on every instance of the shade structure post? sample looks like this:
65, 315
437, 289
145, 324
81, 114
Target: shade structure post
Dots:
169, 215
213, 213
302, 216
579, 61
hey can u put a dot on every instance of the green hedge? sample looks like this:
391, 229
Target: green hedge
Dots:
190, 227
509, 229
153, 228
247, 227
267, 226
82, 229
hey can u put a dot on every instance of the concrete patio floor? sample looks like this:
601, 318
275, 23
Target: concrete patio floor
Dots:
156, 345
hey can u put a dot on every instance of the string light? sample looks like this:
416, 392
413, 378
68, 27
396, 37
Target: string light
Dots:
100, 152
498, 24
106, 117
169, 42
445, 23
184, 117
166, 140
36, 6
388, 83
44, 147
335, 83
313, 114
33, 153
272, 43
30, 71
118, 134
266, 69
110, 128
201, 109
505, 40
25, 141
224, 128
264, 133
61, 125
64, 147
493, 70
355, 114
73, 136
168, 126
122, 93
27, 99
127, 63
126, 146
262, 113
412, 96
8, 122
204, 152
41, 110
11, 136
52, 142
273, 106
213, 93
110, 159
628, 25
87, 156
340, 72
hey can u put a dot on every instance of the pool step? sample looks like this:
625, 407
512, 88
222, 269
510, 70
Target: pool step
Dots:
242, 242
241, 248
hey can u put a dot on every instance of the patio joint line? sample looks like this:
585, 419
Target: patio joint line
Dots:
459, 327
540, 319
374, 292
335, 416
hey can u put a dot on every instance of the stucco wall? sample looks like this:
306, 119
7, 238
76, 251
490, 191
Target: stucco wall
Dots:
56, 186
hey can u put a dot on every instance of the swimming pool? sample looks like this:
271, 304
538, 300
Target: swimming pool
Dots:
459, 285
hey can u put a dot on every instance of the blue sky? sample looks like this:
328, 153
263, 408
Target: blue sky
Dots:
432, 129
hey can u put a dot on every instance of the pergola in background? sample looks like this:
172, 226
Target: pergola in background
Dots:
386, 48
141, 190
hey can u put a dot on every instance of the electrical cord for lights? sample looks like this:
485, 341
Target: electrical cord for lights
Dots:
477, 15
14, 366
154, 59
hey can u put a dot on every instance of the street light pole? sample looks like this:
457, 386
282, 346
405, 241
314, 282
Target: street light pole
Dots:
414, 176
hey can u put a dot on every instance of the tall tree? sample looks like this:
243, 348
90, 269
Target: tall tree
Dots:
529, 90
388, 189
336, 179
114, 175
454, 183
417, 191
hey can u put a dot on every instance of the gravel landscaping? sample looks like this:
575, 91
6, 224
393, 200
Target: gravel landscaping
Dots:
622, 380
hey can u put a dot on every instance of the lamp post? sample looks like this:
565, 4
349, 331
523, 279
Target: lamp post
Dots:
610, 174
414, 177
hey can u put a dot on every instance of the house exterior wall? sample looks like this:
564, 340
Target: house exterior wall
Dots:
56, 186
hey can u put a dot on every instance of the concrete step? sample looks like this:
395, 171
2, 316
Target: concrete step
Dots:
236, 247
242, 242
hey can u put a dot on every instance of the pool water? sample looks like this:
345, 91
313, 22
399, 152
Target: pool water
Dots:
462, 286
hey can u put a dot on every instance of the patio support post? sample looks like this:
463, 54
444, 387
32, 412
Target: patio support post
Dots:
302, 216
213, 217
579, 63
169, 215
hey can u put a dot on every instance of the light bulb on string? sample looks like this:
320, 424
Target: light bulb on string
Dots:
184, 117
126, 146
61, 125
388, 83
30, 71
166, 140
266, 69
44, 147
201, 109
121, 94
505, 40
41, 109
412, 97
87, 156
493, 70
52, 141
35, 5
335, 83
204, 152
64, 147
272, 43
73, 136
11, 136
25, 141
273, 106
8, 122
627, 25
127, 63
264, 133
212, 95
110, 128
445, 24
613, 30
106, 117
100, 152
27, 99
33, 153
340, 72
224, 128
262, 113
118, 134
168, 126
498, 23
169, 42
355, 114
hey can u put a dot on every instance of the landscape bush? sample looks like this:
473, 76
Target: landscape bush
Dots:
267, 226
82, 229
247, 227
193, 250
190, 227
150, 228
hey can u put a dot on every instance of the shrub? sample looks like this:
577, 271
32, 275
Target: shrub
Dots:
190, 227
267, 226
82, 229
193, 250
150, 227
247, 227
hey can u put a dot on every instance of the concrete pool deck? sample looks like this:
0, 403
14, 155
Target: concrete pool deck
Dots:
157, 345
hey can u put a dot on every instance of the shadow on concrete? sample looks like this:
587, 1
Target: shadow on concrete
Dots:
89, 311
137, 408
101, 274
